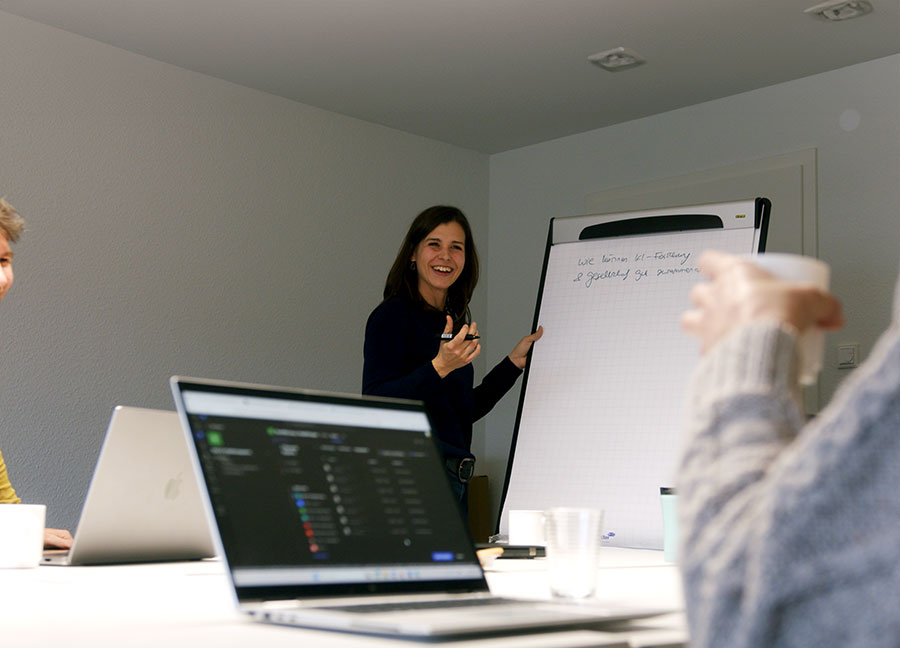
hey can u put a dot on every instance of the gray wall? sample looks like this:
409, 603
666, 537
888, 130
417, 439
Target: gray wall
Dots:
858, 195
181, 224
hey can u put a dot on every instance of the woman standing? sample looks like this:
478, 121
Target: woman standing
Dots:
421, 340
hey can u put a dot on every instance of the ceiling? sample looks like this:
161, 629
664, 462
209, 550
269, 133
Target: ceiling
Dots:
489, 75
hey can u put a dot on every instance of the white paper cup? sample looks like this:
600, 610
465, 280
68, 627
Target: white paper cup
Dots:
573, 546
21, 535
526, 527
797, 268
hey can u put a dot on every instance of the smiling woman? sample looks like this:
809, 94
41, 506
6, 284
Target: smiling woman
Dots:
11, 228
421, 340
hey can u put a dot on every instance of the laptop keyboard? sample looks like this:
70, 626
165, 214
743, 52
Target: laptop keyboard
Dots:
421, 605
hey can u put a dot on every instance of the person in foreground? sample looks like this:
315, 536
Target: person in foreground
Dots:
426, 296
790, 533
11, 227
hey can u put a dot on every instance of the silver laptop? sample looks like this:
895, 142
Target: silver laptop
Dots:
143, 503
334, 511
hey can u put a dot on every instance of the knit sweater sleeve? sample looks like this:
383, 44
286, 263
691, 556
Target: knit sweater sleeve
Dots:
785, 525
7, 492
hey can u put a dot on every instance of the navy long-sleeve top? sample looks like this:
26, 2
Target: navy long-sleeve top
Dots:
401, 341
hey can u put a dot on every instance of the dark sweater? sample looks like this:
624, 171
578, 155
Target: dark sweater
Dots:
401, 341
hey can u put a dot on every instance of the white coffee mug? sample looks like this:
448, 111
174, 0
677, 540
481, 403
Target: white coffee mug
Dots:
21, 535
794, 267
526, 527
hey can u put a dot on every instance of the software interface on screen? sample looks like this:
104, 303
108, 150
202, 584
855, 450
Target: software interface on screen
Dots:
332, 492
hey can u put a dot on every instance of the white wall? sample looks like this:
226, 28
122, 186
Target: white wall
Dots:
181, 224
858, 195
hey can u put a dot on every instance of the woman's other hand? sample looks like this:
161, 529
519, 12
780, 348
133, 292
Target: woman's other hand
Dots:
57, 539
519, 354
458, 351
739, 292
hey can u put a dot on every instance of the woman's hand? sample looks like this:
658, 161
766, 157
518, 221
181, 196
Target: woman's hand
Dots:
739, 292
519, 354
57, 539
457, 352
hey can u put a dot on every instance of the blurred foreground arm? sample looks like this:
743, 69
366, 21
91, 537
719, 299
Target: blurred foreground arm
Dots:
787, 527
740, 293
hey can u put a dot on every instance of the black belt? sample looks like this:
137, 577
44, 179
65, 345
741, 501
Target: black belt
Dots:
463, 468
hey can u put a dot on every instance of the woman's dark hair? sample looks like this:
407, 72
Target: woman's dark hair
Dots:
403, 280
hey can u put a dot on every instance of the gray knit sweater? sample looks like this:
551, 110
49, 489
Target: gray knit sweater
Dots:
790, 530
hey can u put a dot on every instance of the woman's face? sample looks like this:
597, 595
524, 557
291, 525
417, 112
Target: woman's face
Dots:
440, 258
6, 271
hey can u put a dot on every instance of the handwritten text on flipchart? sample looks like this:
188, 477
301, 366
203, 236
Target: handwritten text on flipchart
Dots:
639, 266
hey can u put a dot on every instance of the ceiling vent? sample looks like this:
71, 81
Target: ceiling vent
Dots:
617, 59
837, 10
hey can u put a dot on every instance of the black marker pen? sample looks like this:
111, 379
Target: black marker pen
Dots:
449, 336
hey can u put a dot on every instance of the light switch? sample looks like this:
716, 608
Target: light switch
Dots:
847, 356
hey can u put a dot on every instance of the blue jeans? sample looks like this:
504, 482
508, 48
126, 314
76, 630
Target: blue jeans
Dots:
460, 490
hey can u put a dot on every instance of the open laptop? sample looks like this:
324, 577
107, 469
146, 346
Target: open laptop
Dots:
143, 503
334, 511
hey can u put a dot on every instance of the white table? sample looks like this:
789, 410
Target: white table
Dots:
190, 604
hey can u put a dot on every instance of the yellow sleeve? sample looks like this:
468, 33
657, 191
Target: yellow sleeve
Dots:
7, 492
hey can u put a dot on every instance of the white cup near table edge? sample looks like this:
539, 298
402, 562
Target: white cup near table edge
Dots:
21, 535
526, 527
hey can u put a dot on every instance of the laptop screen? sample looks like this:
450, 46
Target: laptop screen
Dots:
320, 494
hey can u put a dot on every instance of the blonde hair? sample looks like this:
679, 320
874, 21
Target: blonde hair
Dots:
11, 224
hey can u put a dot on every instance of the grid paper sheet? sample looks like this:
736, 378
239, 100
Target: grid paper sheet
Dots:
602, 414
